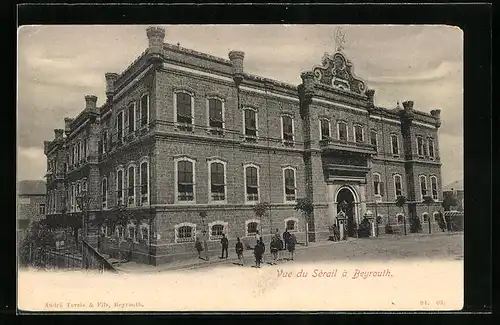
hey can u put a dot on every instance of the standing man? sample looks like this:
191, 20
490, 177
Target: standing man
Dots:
239, 250
286, 237
225, 245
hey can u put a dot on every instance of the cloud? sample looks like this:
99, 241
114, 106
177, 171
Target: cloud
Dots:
31, 163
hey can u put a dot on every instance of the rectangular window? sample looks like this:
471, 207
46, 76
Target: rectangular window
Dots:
376, 184
184, 114
250, 125
287, 124
423, 186
342, 129
119, 127
104, 193
144, 183
144, 110
431, 148
131, 186
252, 187
395, 145
358, 133
217, 186
41, 209
289, 185
185, 181
434, 188
105, 142
325, 129
131, 118
216, 120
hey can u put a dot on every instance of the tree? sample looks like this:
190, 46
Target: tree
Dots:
119, 216
449, 200
38, 239
401, 202
306, 206
260, 210
428, 201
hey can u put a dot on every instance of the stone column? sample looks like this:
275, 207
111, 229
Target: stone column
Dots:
331, 204
362, 197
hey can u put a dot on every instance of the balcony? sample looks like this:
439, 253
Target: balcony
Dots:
343, 145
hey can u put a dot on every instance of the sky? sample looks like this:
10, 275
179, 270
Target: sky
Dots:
58, 65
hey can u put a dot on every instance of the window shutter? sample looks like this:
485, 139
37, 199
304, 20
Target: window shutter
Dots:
382, 188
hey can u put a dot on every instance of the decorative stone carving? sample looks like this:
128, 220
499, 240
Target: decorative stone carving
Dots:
338, 72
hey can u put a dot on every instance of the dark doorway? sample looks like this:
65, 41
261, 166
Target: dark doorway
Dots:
346, 196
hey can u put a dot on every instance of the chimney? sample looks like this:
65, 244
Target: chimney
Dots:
67, 125
236, 58
436, 113
408, 105
58, 133
371, 96
110, 83
308, 82
90, 102
156, 35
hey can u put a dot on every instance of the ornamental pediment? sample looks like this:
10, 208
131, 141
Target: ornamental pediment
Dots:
337, 72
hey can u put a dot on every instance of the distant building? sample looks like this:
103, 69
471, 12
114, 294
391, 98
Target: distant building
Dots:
455, 189
183, 132
30, 204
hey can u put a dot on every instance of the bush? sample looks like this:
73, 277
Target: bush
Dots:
415, 225
388, 229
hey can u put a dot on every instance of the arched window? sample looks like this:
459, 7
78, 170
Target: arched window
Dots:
287, 130
185, 232
358, 133
377, 185
131, 186
425, 217
251, 227
119, 231
395, 145
400, 218
289, 184
380, 219
215, 107
217, 181
119, 186
131, 119
250, 124
104, 193
431, 147
292, 224
373, 139
423, 186
420, 146
342, 132
324, 125
119, 127
145, 232
144, 109
398, 187
144, 178
434, 187
131, 233
217, 229
184, 110
251, 183
185, 176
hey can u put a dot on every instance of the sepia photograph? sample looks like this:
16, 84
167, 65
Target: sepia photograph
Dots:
240, 168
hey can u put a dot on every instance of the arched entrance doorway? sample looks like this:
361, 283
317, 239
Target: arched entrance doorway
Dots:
346, 201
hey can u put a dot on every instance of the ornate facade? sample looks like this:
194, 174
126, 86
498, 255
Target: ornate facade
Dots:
183, 132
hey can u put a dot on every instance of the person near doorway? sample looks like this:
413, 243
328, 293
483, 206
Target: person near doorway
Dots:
291, 245
274, 246
286, 237
239, 251
225, 245
258, 252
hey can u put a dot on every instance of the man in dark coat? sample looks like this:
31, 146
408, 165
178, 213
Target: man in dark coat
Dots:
286, 236
225, 245
239, 250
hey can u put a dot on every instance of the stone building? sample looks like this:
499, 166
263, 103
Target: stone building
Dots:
183, 133
31, 204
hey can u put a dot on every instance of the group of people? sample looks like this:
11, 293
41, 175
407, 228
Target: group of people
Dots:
277, 245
